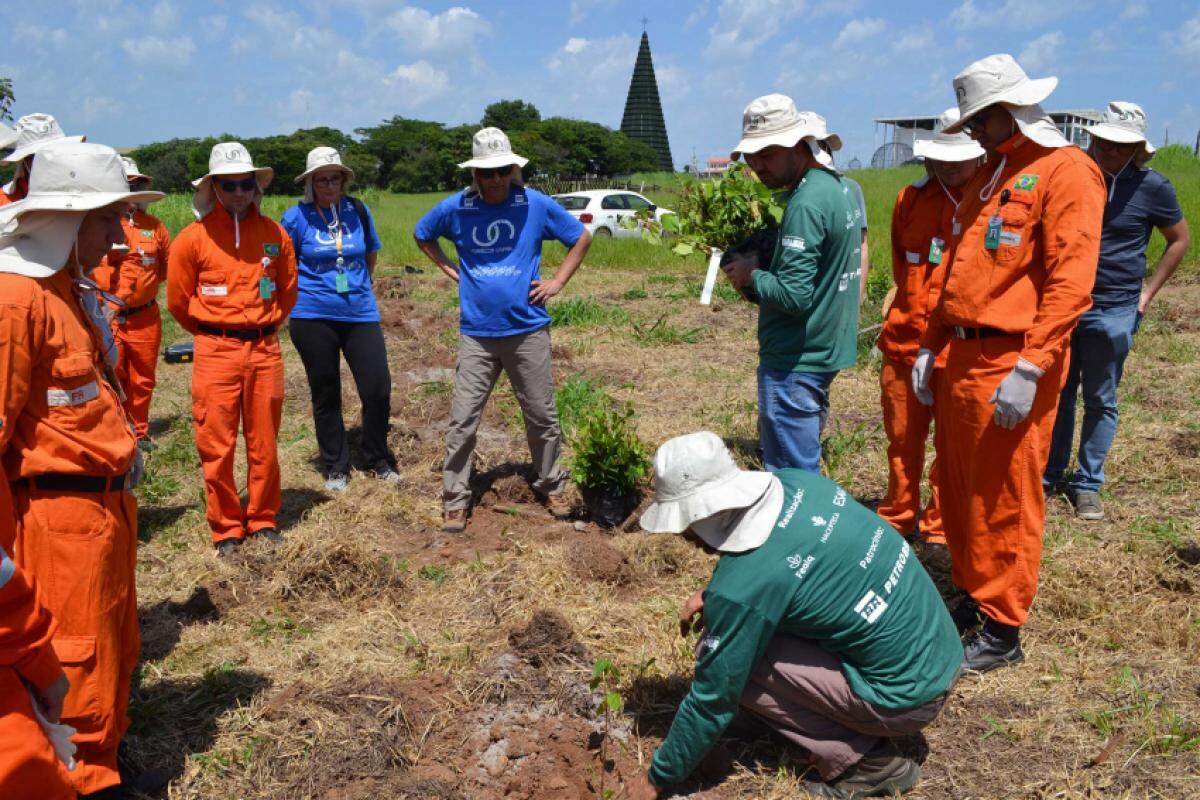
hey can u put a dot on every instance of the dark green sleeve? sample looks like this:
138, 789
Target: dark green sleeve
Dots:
789, 285
735, 638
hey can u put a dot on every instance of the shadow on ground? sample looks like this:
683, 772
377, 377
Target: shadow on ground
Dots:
162, 624
296, 503
160, 425
152, 519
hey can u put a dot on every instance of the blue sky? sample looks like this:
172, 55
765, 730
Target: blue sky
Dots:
129, 72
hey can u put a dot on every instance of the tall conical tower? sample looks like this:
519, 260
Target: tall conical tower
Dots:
643, 118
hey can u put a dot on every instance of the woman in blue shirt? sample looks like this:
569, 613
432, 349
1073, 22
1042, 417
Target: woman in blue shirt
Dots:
1139, 200
336, 314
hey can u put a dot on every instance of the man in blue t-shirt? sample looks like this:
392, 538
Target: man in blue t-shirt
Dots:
1139, 200
498, 226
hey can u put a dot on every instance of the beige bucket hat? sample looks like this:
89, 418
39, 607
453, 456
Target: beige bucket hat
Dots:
227, 158
69, 179
773, 120
1124, 123
996, 79
698, 485
33, 132
490, 148
948, 146
132, 172
321, 157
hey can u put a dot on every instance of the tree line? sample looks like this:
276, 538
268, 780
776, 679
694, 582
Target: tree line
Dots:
412, 155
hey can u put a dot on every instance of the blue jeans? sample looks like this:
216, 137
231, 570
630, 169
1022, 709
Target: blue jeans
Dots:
792, 408
1099, 346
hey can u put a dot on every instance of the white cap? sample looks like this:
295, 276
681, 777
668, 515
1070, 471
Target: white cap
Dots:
948, 146
773, 120
69, 179
490, 148
1124, 123
33, 132
996, 79
696, 478
227, 158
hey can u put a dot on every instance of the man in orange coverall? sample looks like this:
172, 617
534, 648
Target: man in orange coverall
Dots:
133, 274
29, 766
31, 133
1021, 276
67, 448
922, 228
231, 282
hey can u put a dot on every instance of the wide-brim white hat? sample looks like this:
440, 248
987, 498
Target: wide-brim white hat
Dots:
321, 158
491, 149
32, 133
69, 179
132, 172
950, 147
772, 120
1123, 123
227, 158
695, 477
996, 79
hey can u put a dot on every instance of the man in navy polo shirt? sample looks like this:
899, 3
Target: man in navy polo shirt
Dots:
498, 226
1139, 200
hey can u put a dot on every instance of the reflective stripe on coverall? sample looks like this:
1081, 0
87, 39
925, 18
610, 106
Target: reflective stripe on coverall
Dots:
1035, 284
214, 279
28, 764
61, 416
134, 277
922, 213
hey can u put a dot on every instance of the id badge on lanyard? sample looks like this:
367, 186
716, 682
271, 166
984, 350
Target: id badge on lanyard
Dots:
265, 286
341, 281
936, 246
992, 239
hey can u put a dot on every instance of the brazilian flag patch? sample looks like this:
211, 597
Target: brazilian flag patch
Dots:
1026, 182
271, 249
147, 234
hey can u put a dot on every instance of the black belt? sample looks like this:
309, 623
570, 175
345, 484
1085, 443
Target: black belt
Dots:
245, 334
980, 333
129, 312
58, 482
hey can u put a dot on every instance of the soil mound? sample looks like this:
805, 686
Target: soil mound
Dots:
592, 558
546, 639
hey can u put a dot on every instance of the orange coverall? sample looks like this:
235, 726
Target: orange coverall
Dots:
134, 277
214, 281
28, 764
1034, 285
18, 193
61, 418
923, 213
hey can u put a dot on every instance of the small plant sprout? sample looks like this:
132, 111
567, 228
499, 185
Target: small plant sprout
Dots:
605, 676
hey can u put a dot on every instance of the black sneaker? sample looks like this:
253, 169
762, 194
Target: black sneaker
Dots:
270, 534
881, 773
966, 614
993, 646
228, 547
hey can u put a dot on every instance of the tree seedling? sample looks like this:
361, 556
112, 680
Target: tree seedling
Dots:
605, 676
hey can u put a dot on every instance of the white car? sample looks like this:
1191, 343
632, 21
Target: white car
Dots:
602, 211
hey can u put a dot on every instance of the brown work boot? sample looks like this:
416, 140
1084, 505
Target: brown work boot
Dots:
881, 773
454, 520
558, 505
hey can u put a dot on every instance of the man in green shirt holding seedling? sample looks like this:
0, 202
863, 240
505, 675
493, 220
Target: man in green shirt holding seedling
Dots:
808, 294
818, 619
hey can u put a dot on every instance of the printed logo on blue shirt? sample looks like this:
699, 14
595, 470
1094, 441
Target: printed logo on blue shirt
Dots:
493, 233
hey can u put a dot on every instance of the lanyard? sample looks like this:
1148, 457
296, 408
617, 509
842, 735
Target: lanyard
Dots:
335, 229
985, 193
950, 196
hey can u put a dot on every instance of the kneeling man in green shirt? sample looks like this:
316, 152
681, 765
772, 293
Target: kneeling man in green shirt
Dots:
818, 619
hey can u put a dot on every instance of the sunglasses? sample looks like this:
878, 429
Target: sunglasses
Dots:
978, 122
503, 172
328, 180
245, 185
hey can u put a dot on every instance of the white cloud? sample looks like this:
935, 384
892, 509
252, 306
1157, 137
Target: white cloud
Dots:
40, 35
419, 81
859, 30
1042, 53
164, 16
455, 30
581, 8
1020, 14
159, 51
98, 107
215, 25
914, 42
745, 25
698, 15
1135, 10
1186, 40
575, 45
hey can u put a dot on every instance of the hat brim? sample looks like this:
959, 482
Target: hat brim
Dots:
22, 153
264, 175
137, 176
1114, 133
303, 176
752, 144
1029, 93
68, 202
676, 516
945, 151
834, 141
752, 527
492, 162
39, 245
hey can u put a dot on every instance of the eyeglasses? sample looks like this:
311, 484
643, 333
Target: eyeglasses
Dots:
487, 174
978, 122
245, 185
328, 180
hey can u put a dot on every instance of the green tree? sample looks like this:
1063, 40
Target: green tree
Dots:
6, 98
511, 116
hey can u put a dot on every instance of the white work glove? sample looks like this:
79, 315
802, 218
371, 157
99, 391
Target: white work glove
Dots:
137, 470
1014, 396
921, 373
58, 734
